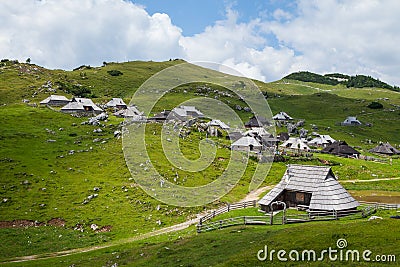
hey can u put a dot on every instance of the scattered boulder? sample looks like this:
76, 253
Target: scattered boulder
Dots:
117, 133
303, 133
374, 218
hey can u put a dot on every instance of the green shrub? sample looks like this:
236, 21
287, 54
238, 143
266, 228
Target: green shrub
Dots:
375, 105
114, 72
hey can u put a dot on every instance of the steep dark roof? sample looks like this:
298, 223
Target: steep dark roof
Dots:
385, 148
257, 121
283, 136
340, 148
161, 116
326, 192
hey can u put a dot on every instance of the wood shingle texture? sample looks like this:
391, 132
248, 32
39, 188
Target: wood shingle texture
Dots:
385, 149
312, 186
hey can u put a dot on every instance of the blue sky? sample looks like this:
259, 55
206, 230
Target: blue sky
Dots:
264, 40
192, 16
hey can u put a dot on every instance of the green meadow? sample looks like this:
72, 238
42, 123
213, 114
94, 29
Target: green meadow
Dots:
53, 166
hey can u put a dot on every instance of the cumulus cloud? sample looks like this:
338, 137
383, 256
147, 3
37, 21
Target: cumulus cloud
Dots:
346, 36
67, 33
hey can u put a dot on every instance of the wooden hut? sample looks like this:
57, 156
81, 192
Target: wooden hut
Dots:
313, 187
160, 117
257, 121
117, 103
82, 106
247, 143
385, 149
341, 148
55, 100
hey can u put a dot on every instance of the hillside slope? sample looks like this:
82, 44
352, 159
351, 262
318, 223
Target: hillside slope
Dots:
52, 165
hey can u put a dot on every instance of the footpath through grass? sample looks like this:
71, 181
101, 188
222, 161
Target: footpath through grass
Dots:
238, 246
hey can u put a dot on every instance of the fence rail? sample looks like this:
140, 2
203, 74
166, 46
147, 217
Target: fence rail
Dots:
384, 206
227, 208
241, 220
277, 218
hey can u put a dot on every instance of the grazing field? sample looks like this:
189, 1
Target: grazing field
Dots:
239, 245
56, 168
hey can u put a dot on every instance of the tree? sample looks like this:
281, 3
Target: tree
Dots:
28, 60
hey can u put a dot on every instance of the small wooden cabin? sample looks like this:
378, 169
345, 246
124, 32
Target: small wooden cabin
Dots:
313, 187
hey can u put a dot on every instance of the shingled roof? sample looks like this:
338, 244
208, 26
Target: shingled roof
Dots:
257, 121
326, 192
340, 148
385, 148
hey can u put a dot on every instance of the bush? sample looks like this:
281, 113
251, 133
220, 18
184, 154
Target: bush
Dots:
375, 105
76, 90
114, 72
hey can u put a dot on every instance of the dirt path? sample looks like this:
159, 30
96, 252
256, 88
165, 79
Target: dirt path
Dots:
254, 195
165, 230
370, 180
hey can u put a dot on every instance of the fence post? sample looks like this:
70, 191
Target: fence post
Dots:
229, 206
244, 220
199, 228
220, 224
254, 203
213, 214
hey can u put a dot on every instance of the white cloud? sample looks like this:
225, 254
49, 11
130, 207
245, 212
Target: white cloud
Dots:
346, 36
67, 33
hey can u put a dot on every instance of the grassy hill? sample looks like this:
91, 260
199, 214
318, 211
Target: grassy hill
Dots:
52, 165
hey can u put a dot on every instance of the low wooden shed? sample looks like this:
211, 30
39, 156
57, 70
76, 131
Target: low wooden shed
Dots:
313, 187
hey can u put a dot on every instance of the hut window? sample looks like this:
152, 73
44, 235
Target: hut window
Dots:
299, 197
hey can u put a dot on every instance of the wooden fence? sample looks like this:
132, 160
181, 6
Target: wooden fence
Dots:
281, 218
383, 206
227, 208
241, 220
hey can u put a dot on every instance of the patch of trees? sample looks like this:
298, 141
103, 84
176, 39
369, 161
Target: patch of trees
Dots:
75, 89
306, 76
337, 76
375, 105
114, 72
83, 67
358, 81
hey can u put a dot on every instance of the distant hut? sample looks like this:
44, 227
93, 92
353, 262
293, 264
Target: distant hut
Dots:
55, 100
234, 136
295, 143
257, 121
160, 117
130, 112
313, 187
351, 121
117, 103
283, 136
282, 116
185, 113
82, 106
321, 140
340, 148
247, 143
385, 149
214, 127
